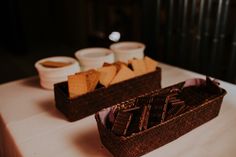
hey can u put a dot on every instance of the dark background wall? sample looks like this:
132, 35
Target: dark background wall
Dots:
31, 30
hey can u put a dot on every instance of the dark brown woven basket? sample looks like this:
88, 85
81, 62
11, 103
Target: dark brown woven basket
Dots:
92, 102
142, 142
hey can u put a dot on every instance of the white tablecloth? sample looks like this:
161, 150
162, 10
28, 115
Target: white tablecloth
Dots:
30, 125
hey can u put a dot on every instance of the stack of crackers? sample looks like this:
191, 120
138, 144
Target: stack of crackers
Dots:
84, 82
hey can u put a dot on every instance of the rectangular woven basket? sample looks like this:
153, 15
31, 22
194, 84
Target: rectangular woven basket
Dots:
145, 141
92, 102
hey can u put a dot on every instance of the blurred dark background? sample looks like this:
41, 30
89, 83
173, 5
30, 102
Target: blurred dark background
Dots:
197, 35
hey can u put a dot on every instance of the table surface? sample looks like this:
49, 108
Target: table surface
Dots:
31, 126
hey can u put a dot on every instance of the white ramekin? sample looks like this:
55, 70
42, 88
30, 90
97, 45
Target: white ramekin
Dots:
49, 76
128, 50
93, 58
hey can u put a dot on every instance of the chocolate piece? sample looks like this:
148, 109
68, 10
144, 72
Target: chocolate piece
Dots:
156, 110
176, 110
144, 117
172, 94
173, 104
180, 110
121, 123
174, 99
111, 116
193, 96
176, 106
134, 124
180, 102
163, 115
212, 86
131, 109
141, 101
145, 122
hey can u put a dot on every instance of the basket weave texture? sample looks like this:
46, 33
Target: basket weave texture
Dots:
92, 102
145, 141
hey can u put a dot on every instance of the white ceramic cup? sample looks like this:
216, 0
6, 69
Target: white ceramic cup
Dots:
49, 76
93, 58
128, 50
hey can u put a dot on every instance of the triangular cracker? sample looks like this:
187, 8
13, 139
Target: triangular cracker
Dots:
92, 77
138, 66
151, 64
123, 74
107, 74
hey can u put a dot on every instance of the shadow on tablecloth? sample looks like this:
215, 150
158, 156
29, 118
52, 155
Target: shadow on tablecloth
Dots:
32, 82
89, 142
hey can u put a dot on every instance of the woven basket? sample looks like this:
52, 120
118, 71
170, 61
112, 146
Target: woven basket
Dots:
92, 102
142, 142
